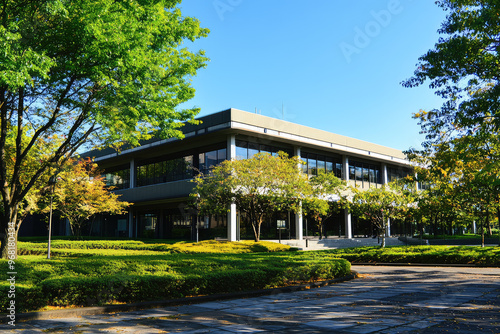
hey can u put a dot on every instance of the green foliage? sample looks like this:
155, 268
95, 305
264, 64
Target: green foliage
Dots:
488, 256
96, 280
258, 186
124, 247
463, 68
328, 196
380, 204
89, 73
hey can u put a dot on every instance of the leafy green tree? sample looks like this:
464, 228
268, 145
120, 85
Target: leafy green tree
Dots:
463, 174
380, 204
92, 72
258, 186
463, 69
329, 195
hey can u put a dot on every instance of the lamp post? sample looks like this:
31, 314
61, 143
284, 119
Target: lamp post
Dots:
52, 184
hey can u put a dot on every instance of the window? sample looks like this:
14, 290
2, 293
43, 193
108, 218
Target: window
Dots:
320, 163
165, 171
119, 179
368, 174
210, 159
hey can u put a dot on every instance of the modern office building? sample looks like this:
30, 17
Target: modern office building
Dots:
156, 176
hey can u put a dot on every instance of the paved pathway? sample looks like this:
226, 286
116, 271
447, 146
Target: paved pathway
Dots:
383, 300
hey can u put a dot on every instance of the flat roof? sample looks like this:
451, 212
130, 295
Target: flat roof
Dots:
239, 121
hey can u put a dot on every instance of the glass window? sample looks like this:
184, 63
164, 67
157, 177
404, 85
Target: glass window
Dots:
359, 172
338, 170
252, 149
366, 177
221, 155
312, 164
352, 172
321, 164
211, 159
371, 174
329, 165
304, 165
241, 150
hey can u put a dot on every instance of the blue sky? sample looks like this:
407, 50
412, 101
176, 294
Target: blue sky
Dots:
334, 65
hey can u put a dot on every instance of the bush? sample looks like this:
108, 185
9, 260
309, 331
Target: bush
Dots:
151, 275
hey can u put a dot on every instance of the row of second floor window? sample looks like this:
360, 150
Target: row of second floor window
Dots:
186, 167
246, 150
182, 168
165, 171
316, 163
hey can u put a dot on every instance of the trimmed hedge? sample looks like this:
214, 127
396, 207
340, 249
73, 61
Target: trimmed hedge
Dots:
98, 280
99, 247
487, 256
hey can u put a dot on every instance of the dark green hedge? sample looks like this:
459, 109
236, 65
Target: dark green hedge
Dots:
86, 281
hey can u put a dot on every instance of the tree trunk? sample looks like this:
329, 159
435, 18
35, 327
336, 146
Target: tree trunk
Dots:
384, 228
486, 221
8, 228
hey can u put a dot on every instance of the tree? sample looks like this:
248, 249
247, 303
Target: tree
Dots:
463, 69
328, 197
379, 205
463, 173
258, 186
81, 193
95, 73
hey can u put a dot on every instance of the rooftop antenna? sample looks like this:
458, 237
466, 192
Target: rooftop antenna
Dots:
255, 109
282, 110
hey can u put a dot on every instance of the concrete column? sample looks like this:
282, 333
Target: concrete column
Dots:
385, 178
348, 225
132, 174
299, 224
231, 223
347, 214
231, 147
231, 215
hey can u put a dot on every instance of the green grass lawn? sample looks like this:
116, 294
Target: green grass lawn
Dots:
93, 272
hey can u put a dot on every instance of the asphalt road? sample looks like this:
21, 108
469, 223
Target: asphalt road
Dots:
384, 299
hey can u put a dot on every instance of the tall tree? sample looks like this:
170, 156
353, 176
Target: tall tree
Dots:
379, 205
463, 69
93, 72
328, 196
258, 186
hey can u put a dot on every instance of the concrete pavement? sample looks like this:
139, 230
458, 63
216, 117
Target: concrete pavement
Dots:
391, 299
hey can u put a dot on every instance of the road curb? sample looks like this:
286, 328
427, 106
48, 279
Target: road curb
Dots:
381, 264
82, 311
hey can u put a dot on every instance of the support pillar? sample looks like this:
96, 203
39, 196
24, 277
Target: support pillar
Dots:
385, 178
388, 230
348, 225
132, 174
231, 223
347, 214
231, 215
299, 224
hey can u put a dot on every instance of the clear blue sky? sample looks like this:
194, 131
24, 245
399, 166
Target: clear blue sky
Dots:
334, 65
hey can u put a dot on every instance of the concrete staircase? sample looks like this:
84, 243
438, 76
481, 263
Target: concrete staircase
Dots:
333, 243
